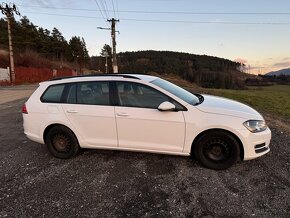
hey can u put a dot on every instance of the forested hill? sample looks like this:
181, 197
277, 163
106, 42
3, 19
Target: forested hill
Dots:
204, 70
46, 44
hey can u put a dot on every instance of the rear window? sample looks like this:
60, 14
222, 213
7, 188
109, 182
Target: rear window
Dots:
53, 94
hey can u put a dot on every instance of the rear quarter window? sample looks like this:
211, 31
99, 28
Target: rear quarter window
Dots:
53, 94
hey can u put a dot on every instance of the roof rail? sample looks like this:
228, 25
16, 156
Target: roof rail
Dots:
95, 75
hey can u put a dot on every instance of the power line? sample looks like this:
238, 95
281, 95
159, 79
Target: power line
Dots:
63, 15
114, 8
207, 22
117, 9
169, 21
162, 12
100, 11
104, 9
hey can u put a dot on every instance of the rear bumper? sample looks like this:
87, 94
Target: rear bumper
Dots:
32, 129
34, 138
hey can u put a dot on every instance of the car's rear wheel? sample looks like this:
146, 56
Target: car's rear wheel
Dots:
61, 142
217, 150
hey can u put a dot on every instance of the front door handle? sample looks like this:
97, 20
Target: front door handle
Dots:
122, 114
72, 111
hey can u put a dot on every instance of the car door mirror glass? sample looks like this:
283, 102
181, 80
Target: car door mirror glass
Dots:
166, 106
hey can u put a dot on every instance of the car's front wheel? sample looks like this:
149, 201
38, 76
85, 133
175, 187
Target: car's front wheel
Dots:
217, 150
61, 142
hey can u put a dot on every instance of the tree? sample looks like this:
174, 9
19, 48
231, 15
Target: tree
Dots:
106, 51
79, 51
58, 43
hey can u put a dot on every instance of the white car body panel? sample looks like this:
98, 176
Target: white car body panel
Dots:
140, 129
219, 105
95, 124
150, 129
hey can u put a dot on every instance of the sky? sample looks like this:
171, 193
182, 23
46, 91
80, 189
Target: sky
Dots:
254, 32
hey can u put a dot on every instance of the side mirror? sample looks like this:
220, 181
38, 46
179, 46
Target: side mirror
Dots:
166, 106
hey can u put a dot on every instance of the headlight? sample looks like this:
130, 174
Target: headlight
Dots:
255, 125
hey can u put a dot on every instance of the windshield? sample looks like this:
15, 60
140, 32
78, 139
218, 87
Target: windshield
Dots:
177, 91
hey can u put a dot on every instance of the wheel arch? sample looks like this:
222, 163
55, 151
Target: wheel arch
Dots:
222, 130
49, 127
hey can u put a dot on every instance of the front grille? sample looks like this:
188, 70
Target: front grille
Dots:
261, 148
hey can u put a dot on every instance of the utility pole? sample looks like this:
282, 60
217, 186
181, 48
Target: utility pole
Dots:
113, 34
8, 11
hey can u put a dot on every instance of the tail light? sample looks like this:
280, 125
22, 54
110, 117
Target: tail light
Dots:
24, 109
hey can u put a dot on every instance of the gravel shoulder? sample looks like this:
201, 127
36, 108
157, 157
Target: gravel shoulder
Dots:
100, 183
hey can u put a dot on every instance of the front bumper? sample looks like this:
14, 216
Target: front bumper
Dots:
256, 144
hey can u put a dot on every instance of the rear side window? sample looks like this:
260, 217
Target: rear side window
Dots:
90, 93
93, 93
53, 94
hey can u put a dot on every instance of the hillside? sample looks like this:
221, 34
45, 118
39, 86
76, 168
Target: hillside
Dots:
205, 71
285, 72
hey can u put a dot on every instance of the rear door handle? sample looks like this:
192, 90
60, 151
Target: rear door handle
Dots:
122, 114
72, 111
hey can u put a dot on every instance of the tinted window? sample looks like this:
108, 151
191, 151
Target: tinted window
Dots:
53, 94
139, 95
177, 91
72, 94
92, 93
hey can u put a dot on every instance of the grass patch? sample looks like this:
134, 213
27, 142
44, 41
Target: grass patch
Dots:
274, 100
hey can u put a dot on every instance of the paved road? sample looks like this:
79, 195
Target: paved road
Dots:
117, 184
12, 93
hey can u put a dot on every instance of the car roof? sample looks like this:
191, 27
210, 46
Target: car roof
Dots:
93, 77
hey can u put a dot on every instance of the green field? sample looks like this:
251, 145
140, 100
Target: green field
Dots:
273, 99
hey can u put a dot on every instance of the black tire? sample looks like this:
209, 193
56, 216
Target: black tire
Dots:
61, 142
217, 150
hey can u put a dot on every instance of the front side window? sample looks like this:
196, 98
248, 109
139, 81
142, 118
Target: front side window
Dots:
53, 94
177, 91
139, 95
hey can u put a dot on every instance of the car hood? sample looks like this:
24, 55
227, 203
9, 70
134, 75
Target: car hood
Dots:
224, 106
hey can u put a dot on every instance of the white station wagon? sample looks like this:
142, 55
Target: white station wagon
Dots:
142, 113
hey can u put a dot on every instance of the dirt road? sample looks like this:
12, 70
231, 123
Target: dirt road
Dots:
125, 184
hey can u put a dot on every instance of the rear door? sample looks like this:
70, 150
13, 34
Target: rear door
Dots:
89, 110
141, 125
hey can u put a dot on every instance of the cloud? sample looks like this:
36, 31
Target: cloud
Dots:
241, 60
50, 3
41, 2
282, 64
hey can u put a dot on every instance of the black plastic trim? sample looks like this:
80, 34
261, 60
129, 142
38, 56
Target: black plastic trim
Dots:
96, 75
260, 146
261, 150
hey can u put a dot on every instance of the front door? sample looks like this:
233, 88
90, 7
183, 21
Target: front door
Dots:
141, 125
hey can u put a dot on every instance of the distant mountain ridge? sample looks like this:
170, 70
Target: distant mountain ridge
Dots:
279, 72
